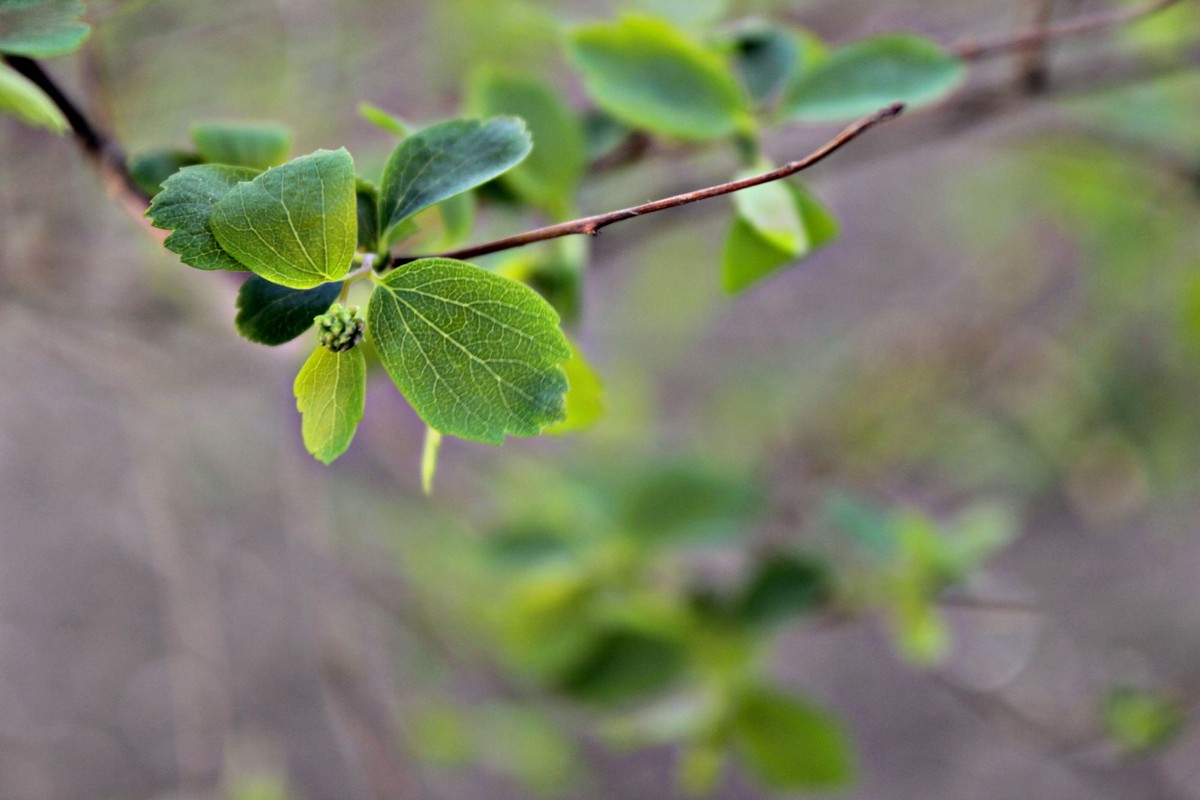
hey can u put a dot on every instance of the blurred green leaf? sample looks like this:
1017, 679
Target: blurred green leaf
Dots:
691, 13
185, 206
458, 220
243, 144
869, 74
700, 767
22, 99
922, 635
331, 389
585, 395
448, 159
688, 501
784, 586
366, 199
623, 665
525, 545
791, 745
1141, 721
868, 525
42, 28
768, 57
650, 75
528, 747
477, 355
150, 170
263, 786
751, 254
384, 120
272, 314
297, 224
549, 176
442, 735
772, 211
602, 133
547, 624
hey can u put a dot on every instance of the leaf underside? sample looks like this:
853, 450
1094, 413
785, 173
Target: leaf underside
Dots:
272, 314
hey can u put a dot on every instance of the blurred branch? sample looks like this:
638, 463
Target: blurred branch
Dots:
979, 49
591, 226
1032, 66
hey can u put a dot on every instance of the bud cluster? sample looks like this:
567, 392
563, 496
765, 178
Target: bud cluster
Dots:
340, 328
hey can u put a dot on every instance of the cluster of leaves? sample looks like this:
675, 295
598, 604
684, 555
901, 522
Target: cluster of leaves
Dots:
36, 29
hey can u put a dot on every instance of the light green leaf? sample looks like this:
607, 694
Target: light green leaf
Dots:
791, 745
585, 397
185, 206
331, 390
384, 120
458, 219
750, 256
429, 459
1141, 721
448, 159
476, 354
865, 76
41, 28
243, 144
21, 98
549, 176
272, 314
772, 211
295, 225
650, 75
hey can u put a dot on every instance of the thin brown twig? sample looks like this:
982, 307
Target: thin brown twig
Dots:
1032, 69
591, 226
982, 48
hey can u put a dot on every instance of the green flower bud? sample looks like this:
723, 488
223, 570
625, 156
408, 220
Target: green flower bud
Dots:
340, 329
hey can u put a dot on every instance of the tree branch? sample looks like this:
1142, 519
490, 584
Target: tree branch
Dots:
980, 49
591, 226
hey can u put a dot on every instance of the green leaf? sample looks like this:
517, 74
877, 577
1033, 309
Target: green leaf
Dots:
331, 389
767, 57
41, 28
623, 665
585, 397
549, 176
151, 170
366, 198
688, 501
700, 767
185, 206
750, 255
429, 459
243, 144
448, 159
1141, 721
529, 746
650, 75
602, 134
784, 586
771, 209
296, 224
476, 354
869, 74
384, 120
791, 745
458, 219
21, 98
272, 314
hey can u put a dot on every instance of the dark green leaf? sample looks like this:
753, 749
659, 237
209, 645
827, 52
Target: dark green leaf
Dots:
791, 745
784, 586
367, 212
330, 391
151, 170
21, 98
41, 28
1141, 721
549, 176
687, 501
650, 75
272, 314
185, 206
448, 159
623, 665
767, 57
477, 355
869, 74
296, 224
602, 134
243, 144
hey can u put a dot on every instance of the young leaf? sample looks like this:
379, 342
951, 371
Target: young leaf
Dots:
585, 398
151, 170
296, 224
750, 256
476, 354
41, 28
549, 176
868, 74
383, 120
255, 145
185, 206
272, 314
791, 745
21, 98
448, 159
331, 389
650, 75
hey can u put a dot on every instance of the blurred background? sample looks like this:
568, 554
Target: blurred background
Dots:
995, 370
